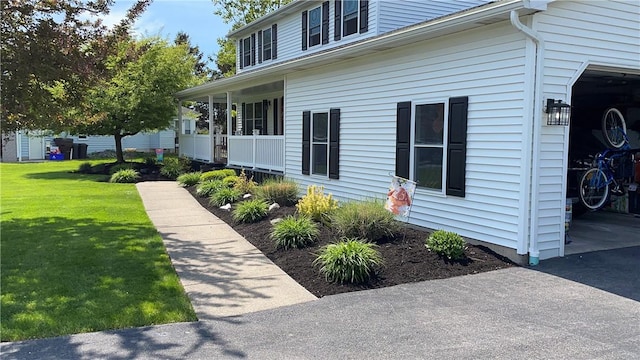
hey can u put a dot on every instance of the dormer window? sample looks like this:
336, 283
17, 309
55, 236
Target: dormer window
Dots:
314, 26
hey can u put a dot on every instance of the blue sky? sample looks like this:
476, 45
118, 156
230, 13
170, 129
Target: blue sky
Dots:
167, 17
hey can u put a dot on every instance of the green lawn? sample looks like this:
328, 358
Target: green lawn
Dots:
80, 254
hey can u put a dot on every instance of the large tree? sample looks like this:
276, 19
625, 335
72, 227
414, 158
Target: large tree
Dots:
239, 13
138, 94
52, 51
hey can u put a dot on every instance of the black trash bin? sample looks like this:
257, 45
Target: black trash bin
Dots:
74, 153
65, 146
82, 151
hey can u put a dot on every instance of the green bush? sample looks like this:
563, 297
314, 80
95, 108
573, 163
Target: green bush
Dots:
294, 232
125, 176
150, 160
189, 179
447, 244
244, 184
230, 180
208, 188
316, 204
217, 174
85, 168
174, 167
350, 260
224, 196
117, 167
366, 220
250, 211
281, 191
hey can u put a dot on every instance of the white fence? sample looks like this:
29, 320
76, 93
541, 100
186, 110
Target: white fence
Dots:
257, 151
196, 147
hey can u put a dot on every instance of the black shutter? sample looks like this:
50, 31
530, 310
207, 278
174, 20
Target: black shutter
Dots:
253, 49
304, 30
334, 143
403, 139
306, 141
364, 16
457, 146
325, 22
274, 41
265, 105
244, 118
337, 23
275, 116
240, 46
260, 47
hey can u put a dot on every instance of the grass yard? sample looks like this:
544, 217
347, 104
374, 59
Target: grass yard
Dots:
79, 254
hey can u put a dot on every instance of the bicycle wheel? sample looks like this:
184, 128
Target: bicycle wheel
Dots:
594, 189
614, 128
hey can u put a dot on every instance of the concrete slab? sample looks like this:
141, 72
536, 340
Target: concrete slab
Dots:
222, 273
602, 230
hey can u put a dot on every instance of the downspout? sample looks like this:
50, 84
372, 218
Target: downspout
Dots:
534, 253
19, 144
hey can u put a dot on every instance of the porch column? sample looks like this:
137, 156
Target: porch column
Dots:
229, 125
211, 135
179, 126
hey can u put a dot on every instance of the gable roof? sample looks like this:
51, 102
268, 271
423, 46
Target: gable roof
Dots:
463, 20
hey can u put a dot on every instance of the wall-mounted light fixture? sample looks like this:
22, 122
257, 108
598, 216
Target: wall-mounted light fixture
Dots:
558, 113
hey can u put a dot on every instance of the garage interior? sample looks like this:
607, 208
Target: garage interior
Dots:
617, 225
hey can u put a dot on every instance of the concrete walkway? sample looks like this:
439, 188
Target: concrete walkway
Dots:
222, 273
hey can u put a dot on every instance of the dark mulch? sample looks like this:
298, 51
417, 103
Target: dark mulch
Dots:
406, 258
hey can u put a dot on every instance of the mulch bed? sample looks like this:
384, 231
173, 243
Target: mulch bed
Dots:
406, 259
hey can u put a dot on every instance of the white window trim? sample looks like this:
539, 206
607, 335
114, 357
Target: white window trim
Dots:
445, 143
344, 20
244, 52
309, 27
326, 143
264, 43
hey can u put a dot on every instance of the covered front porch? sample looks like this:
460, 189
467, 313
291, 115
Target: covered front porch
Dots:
241, 127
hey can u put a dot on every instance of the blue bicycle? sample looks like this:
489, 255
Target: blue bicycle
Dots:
599, 182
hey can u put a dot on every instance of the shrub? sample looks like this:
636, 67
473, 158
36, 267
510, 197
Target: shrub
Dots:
447, 244
294, 232
350, 260
316, 205
117, 167
250, 211
366, 220
189, 179
281, 191
245, 185
224, 196
208, 188
85, 168
230, 180
217, 174
125, 176
150, 160
174, 167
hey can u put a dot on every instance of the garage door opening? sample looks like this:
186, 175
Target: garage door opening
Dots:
617, 224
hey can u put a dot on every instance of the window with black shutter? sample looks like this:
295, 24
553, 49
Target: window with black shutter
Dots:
274, 41
247, 52
321, 143
420, 135
325, 22
253, 49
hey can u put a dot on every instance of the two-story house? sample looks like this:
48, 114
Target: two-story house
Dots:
450, 94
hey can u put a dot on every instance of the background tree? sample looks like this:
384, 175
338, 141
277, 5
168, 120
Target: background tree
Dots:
239, 13
138, 95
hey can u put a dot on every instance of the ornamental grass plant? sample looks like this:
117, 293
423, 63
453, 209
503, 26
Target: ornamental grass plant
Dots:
250, 211
294, 232
365, 220
350, 260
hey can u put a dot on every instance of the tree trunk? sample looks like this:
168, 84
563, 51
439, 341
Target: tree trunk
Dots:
119, 154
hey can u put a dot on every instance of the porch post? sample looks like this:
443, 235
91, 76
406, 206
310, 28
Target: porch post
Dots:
229, 123
211, 135
179, 126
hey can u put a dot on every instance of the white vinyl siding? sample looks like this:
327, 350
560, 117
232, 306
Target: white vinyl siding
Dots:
576, 34
397, 14
486, 66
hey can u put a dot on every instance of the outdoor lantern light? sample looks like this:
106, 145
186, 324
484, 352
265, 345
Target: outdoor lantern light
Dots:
557, 112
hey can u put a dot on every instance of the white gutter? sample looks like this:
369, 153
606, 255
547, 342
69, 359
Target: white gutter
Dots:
533, 141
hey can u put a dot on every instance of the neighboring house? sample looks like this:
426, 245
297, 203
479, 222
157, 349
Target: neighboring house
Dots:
450, 94
34, 145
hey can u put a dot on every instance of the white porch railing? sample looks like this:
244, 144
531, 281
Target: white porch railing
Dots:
256, 151
196, 147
